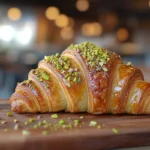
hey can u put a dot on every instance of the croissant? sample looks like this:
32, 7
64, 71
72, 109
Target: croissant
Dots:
83, 78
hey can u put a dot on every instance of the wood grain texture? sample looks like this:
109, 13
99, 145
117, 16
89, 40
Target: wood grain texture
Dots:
134, 131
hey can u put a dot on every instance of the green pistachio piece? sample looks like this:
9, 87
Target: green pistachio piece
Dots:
64, 58
9, 114
39, 123
76, 74
115, 131
32, 120
66, 67
47, 59
76, 121
93, 123
69, 78
69, 85
45, 76
54, 116
79, 79
62, 121
25, 133
105, 69
35, 126
59, 66
75, 79
57, 55
26, 123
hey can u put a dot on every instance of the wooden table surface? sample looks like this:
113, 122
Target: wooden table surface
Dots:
133, 131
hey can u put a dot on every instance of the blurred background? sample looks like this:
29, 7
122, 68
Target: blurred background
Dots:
29, 30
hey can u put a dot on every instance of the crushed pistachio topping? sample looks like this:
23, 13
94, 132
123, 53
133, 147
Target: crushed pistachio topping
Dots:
17, 126
39, 123
62, 121
76, 121
35, 126
25, 133
41, 74
115, 131
28, 82
16, 121
26, 123
81, 117
129, 64
32, 120
93, 123
9, 114
95, 57
54, 116
62, 64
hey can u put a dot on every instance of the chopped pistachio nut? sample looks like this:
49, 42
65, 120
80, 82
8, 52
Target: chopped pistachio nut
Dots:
16, 127
93, 123
45, 76
115, 131
45, 132
25, 133
76, 121
16, 121
32, 120
54, 116
95, 56
35, 126
81, 117
129, 64
39, 123
9, 114
69, 85
62, 64
26, 123
105, 69
62, 121
4, 122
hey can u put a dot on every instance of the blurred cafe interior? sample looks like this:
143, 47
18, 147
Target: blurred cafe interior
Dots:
29, 30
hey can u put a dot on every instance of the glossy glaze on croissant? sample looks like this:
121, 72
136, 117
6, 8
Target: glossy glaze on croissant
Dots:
84, 78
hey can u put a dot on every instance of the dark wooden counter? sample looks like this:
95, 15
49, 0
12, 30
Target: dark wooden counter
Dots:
133, 131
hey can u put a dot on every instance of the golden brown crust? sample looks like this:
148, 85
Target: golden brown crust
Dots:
94, 84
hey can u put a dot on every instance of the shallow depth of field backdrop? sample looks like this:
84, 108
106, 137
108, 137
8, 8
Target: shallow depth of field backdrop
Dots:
29, 30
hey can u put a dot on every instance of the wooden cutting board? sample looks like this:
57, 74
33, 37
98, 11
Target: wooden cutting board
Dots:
133, 131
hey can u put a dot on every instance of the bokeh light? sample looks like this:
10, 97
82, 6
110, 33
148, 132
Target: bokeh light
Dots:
7, 33
24, 36
122, 34
14, 14
67, 33
82, 5
62, 21
91, 29
52, 13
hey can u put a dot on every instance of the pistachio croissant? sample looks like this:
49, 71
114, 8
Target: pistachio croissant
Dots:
84, 78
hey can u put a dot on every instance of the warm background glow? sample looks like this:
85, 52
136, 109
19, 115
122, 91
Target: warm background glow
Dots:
52, 13
14, 13
62, 21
